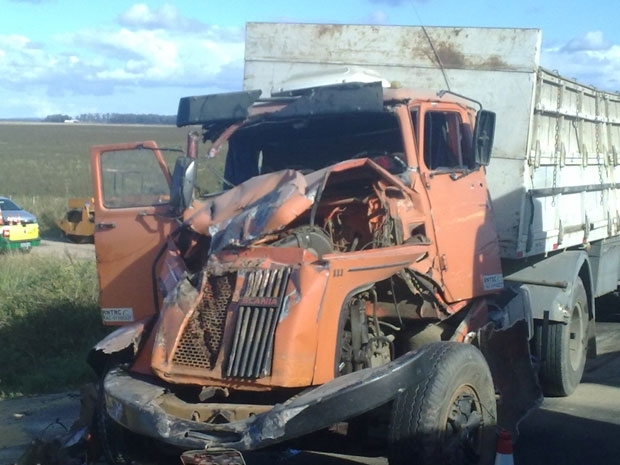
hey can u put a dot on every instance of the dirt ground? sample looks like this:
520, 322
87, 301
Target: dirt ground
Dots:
61, 247
25, 419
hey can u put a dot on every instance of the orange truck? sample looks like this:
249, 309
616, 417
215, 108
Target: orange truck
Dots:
381, 262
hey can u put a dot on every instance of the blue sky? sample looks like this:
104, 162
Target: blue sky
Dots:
113, 56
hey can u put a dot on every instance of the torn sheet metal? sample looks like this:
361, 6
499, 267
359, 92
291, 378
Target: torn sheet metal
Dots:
140, 407
265, 204
259, 206
123, 339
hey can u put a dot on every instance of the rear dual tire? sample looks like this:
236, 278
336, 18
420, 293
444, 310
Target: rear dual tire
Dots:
564, 357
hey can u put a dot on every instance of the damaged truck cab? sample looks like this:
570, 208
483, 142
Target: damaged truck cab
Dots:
350, 259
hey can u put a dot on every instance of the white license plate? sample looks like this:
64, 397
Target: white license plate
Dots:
118, 315
25, 245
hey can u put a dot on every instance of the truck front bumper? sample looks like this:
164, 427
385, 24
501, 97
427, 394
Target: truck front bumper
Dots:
145, 405
140, 404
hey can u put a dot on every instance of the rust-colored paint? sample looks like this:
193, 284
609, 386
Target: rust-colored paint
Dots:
296, 336
437, 216
214, 216
126, 243
463, 225
356, 270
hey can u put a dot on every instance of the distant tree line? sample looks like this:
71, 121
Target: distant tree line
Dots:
112, 118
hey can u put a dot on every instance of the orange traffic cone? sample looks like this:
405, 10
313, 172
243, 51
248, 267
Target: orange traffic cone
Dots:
504, 449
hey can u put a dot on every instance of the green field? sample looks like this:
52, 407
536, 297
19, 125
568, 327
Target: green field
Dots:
44, 164
49, 319
49, 315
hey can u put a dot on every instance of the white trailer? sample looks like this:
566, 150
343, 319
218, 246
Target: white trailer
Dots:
555, 172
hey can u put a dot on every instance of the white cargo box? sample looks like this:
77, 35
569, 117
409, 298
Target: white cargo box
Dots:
555, 173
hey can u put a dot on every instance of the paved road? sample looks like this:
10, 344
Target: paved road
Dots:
583, 429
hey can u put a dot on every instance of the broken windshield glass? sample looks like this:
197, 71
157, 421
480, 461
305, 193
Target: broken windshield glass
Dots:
310, 144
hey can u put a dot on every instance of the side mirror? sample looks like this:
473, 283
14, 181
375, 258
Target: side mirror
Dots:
484, 132
183, 181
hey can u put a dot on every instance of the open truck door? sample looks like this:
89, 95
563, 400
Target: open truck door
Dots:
132, 191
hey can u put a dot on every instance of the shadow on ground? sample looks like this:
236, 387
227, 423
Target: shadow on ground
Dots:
546, 438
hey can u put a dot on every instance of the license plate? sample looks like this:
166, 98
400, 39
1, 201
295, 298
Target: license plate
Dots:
212, 457
123, 315
25, 245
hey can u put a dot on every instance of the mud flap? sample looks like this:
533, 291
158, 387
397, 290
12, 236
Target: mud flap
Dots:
591, 337
507, 352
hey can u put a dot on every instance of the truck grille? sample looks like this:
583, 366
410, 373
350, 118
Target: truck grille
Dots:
257, 316
202, 339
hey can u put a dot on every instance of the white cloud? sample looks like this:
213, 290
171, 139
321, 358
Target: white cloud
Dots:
154, 49
167, 17
141, 55
378, 17
590, 59
23, 60
158, 57
592, 40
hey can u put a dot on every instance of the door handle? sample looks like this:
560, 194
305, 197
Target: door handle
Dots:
105, 226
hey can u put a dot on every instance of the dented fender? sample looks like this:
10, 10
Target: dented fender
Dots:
118, 346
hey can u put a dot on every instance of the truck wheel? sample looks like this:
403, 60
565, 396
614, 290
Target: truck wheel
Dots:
564, 359
448, 415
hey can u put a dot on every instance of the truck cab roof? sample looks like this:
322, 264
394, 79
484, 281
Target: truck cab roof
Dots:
216, 111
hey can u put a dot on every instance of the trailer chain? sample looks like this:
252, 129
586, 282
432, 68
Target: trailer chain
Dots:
597, 134
558, 148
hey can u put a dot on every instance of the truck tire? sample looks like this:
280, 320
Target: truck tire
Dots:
448, 415
563, 361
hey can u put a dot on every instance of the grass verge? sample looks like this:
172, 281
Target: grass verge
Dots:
49, 319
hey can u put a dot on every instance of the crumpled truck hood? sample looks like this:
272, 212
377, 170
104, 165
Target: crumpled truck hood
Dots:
259, 206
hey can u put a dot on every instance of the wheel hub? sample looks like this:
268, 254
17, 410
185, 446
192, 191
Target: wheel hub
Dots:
463, 426
575, 343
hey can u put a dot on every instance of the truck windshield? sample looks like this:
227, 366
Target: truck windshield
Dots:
311, 143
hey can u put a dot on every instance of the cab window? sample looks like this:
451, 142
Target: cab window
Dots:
132, 178
447, 141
